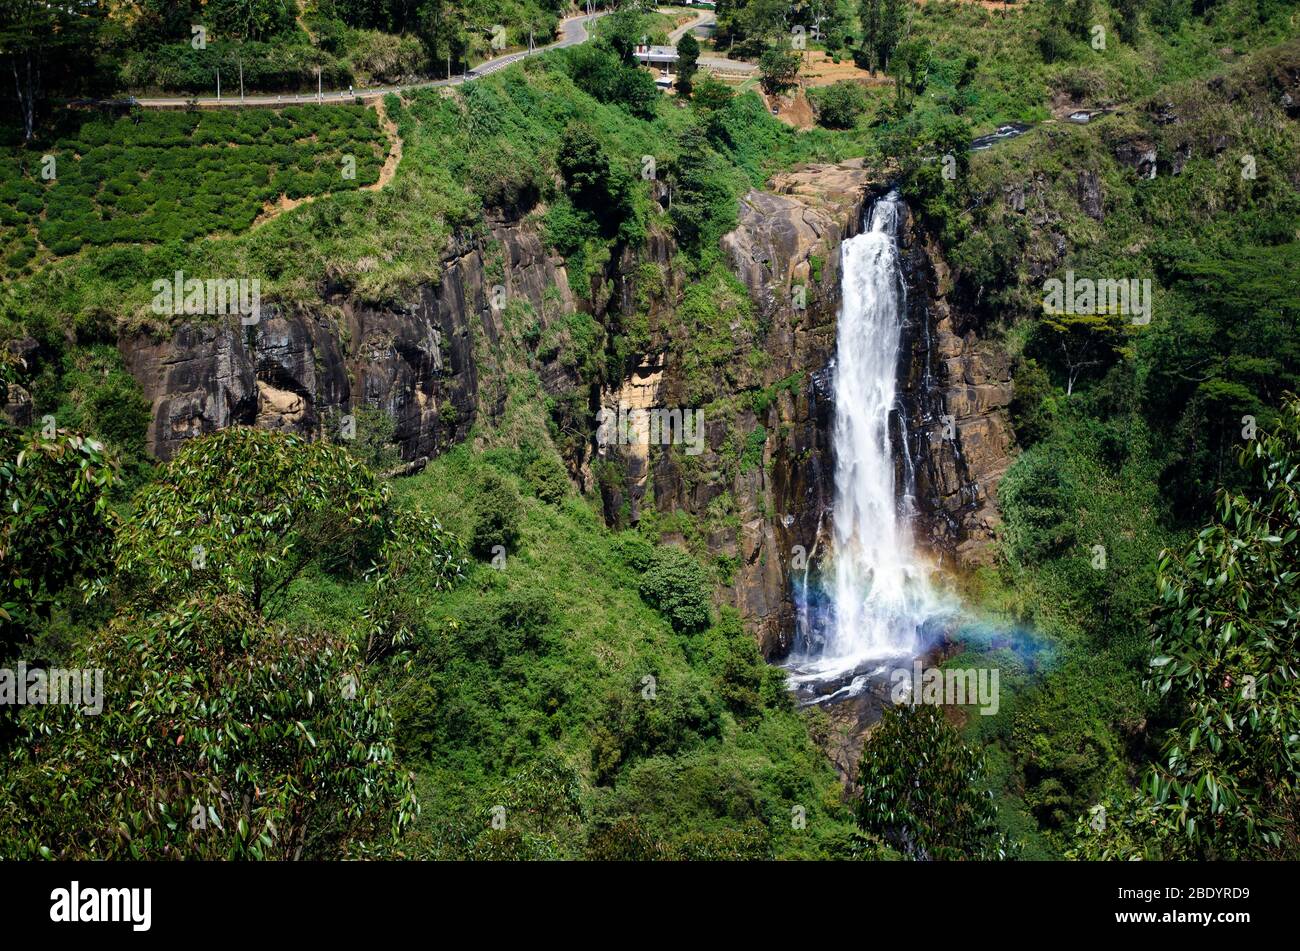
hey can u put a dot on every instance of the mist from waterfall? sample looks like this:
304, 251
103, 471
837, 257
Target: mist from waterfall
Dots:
875, 595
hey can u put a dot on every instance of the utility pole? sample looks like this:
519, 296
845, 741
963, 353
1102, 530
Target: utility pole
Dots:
218, 85
241, 77
318, 84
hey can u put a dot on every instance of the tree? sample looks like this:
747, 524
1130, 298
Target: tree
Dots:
840, 104
622, 31
220, 737
38, 37
1168, 15
585, 167
54, 522
830, 19
884, 24
245, 511
675, 584
1228, 778
497, 510
688, 54
598, 71
163, 21
594, 68
925, 791
442, 29
1225, 658
637, 92
701, 199
1129, 14
711, 94
910, 68
1084, 341
1078, 14
251, 19
964, 81
1040, 499
778, 69
871, 15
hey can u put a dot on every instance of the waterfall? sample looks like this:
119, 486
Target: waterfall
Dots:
876, 595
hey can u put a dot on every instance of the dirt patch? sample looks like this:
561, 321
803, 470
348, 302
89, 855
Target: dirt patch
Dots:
394, 157
820, 70
986, 4
793, 108
275, 209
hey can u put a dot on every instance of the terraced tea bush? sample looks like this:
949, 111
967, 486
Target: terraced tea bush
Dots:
175, 176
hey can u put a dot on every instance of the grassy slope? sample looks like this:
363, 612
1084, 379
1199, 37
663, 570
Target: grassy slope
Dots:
524, 676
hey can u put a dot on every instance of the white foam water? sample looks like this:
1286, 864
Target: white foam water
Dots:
877, 591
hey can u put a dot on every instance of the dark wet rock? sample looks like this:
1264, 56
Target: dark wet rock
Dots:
17, 407
304, 372
1139, 156
1164, 113
1090, 198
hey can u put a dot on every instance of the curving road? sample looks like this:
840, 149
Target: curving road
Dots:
573, 31
703, 18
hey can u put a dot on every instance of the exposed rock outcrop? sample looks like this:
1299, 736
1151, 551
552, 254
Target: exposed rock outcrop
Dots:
775, 511
955, 390
306, 372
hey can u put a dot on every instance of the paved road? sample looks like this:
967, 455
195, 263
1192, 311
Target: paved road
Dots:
704, 18
572, 32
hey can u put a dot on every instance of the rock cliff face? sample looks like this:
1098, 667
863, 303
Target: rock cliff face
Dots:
955, 389
785, 250
306, 372
755, 493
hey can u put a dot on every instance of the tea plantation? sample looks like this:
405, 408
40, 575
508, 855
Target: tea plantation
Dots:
167, 176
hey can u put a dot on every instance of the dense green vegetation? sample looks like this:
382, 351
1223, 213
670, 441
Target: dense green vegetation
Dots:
469, 662
223, 730
152, 45
1129, 426
1224, 784
607, 723
948, 816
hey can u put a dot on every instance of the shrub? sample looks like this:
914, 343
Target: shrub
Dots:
1039, 501
497, 510
547, 478
840, 104
1032, 406
676, 586
632, 725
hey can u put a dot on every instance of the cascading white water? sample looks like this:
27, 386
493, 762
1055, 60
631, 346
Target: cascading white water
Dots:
878, 589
